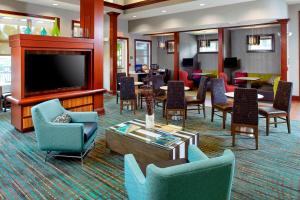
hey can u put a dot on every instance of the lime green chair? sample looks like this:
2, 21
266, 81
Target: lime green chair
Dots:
275, 85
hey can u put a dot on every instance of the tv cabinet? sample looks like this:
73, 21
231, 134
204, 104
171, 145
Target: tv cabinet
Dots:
89, 99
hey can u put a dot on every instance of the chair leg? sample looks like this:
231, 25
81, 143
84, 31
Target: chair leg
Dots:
183, 122
164, 108
275, 122
134, 106
204, 113
117, 98
212, 114
288, 121
166, 114
224, 119
268, 125
198, 108
121, 106
233, 137
81, 158
256, 138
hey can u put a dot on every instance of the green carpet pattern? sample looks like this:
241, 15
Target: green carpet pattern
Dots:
272, 172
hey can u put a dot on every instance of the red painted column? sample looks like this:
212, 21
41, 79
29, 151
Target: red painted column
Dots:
176, 56
283, 46
113, 40
221, 50
92, 19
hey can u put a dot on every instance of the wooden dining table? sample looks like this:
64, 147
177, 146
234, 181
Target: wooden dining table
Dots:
248, 79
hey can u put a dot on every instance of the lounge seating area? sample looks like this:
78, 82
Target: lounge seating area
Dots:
149, 100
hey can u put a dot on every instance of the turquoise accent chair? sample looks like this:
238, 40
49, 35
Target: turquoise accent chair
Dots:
73, 139
201, 178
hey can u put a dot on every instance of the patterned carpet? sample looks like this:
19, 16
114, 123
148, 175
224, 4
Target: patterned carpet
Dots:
272, 172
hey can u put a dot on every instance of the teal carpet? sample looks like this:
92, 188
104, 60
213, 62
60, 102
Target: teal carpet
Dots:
272, 172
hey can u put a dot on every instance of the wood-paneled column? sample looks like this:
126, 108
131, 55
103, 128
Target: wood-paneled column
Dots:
113, 40
91, 20
176, 55
221, 50
283, 46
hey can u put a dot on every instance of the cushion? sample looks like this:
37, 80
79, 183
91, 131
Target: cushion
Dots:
88, 130
270, 111
224, 107
63, 118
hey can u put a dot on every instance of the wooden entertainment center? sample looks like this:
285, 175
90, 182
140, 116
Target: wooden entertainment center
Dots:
88, 99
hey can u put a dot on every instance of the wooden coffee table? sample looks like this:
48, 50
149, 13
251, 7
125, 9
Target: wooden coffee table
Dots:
146, 145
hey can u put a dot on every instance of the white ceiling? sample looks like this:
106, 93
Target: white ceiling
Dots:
150, 11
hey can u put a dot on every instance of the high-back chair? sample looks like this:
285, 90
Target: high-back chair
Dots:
229, 88
127, 93
176, 100
183, 76
78, 136
245, 113
119, 75
159, 94
219, 100
201, 178
198, 100
281, 106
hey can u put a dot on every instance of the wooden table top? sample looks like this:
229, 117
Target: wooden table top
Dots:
166, 88
231, 95
247, 78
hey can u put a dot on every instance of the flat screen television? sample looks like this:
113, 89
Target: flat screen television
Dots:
231, 62
187, 62
47, 72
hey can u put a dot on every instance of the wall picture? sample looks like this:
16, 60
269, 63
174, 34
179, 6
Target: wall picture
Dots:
170, 46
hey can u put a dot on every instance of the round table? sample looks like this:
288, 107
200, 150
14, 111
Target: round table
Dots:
248, 79
136, 83
231, 95
166, 88
201, 74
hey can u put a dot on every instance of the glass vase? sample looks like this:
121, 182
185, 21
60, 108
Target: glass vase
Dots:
150, 121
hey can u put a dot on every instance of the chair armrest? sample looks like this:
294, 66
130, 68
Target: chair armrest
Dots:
134, 178
61, 137
83, 116
195, 154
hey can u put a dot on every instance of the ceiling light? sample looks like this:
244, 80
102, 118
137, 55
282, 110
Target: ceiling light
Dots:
202, 4
6, 17
23, 20
134, 16
163, 11
55, 4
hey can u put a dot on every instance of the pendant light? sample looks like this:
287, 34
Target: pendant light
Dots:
162, 43
254, 40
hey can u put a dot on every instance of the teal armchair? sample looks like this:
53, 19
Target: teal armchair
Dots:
202, 178
73, 139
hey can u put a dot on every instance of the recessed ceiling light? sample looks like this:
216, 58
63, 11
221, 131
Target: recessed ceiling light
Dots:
23, 20
163, 11
6, 17
134, 16
55, 4
202, 4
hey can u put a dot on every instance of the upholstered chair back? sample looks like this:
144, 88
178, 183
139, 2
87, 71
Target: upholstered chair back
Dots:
201, 94
127, 90
245, 107
218, 92
175, 95
157, 82
119, 75
283, 98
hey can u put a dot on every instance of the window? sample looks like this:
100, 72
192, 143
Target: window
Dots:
143, 52
266, 43
12, 23
208, 46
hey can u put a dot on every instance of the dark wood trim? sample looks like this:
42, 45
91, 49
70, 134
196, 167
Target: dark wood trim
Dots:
221, 50
261, 51
284, 64
141, 40
167, 45
176, 55
296, 98
128, 57
113, 5
198, 47
113, 40
142, 3
30, 15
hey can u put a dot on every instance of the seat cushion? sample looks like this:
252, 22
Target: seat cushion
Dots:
88, 130
224, 107
270, 111
192, 100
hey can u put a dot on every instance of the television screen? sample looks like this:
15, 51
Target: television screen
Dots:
44, 72
187, 62
231, 62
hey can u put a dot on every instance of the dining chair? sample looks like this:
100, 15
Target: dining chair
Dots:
281, 106
245, 114
175, 104
159, 94
199, 100
183, 76
127, 93
119, 75
219, 100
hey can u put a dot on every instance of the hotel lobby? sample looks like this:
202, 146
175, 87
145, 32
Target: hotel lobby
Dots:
150, 99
